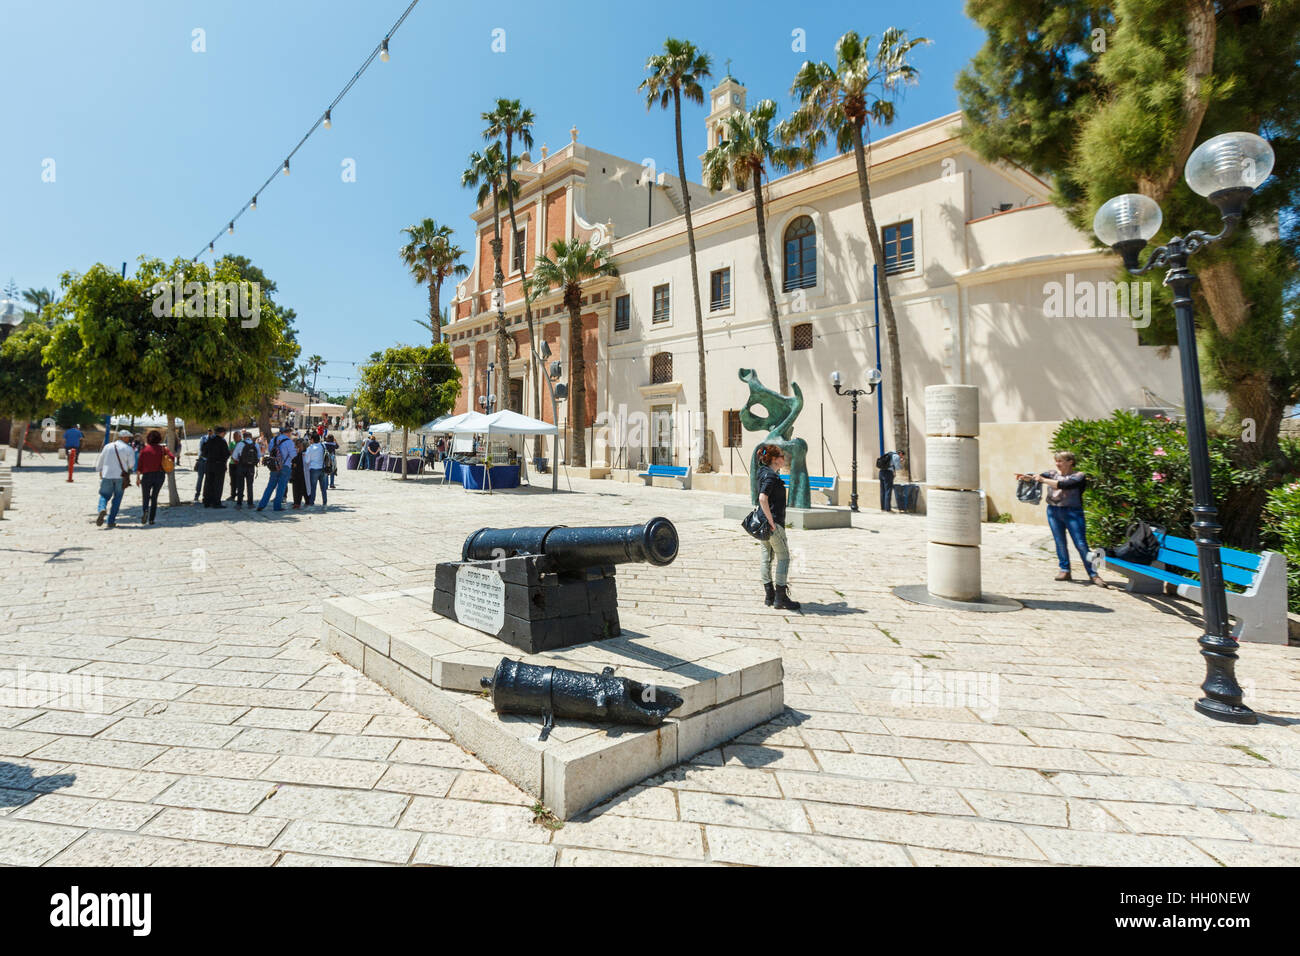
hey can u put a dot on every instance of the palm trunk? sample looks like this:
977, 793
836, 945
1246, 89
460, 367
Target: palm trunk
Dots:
577, 380
21, 442
886, 302
405, 444
704, 464
173, 496
528, 305
782, 373
435, 314
498, 283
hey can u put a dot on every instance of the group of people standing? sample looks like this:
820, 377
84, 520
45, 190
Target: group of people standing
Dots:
306, 463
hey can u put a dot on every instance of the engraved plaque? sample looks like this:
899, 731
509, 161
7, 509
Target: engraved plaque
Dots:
952, 463
480, 599
953, 517
952, 410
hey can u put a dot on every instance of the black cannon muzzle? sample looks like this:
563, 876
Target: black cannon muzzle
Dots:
519, 688
654, 542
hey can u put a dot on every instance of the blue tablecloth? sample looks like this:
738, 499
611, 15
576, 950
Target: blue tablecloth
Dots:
472, 477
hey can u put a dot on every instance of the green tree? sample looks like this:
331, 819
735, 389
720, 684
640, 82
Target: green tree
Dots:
568, 266
409, 385
679, 71
845, 100
1112, 98
23, 378
433, 258
750, 148
130, 345
489, 172
509, 121
287, 349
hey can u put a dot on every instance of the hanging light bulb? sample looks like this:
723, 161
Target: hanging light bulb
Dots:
286, 167
327, 123
253, 204
212, 248
383, 50
231, 228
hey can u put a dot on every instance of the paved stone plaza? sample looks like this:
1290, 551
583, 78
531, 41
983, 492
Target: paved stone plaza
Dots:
1060, 734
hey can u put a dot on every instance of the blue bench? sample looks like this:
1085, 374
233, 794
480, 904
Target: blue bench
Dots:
1260, 611
682, 474
823, 483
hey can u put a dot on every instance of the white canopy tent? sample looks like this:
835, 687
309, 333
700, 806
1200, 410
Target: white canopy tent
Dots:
383, 428
154, 419
501, 424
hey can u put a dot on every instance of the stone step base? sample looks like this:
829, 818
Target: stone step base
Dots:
728, 688
801, 519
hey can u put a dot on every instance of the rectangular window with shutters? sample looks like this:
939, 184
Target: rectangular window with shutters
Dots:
661, 311
622, 313
734, 432
900, 255
719, 289
517, 257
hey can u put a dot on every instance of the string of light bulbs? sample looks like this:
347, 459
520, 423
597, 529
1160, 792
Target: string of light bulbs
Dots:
325, 120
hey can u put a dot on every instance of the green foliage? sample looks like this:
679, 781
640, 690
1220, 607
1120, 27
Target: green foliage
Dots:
1139, 468
679, 71
1282, 533
109, 350
23, 378
410, 385
73, 413
751, 149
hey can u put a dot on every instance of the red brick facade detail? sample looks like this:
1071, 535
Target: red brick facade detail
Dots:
556, 213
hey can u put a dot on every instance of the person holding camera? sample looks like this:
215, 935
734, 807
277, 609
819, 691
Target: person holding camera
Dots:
771, 499
1065, 513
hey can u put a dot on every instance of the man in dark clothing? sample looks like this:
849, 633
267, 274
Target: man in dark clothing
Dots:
198, 465
214, 471
243, 464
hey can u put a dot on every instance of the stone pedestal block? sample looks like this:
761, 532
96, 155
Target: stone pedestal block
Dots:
952, 410
953, 517
953, 571
952, 463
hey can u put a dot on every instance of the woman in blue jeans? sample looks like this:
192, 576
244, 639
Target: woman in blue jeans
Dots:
1065, 513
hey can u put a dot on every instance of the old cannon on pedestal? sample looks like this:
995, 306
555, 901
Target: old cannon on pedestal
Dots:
541, 588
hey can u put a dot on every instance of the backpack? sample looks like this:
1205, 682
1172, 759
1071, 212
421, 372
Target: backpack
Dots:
1141, 546
248, 455
883, 461
272, 460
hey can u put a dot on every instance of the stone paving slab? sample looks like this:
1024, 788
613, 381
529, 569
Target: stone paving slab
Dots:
1062, 734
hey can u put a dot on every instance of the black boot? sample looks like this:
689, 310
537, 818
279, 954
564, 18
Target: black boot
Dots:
783, 602
771, 593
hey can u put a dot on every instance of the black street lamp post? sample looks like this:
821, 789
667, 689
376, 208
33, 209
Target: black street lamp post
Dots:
1226, 170
873, 379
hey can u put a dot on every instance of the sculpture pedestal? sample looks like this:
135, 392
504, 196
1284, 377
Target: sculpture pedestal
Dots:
801, 519
435, 665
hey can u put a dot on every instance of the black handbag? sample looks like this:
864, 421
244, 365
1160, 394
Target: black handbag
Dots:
756, 526
1141, 546
1030, 492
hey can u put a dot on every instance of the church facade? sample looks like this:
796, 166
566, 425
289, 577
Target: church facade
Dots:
991, 285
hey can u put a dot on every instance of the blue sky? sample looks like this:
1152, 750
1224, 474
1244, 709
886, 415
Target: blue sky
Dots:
156, 146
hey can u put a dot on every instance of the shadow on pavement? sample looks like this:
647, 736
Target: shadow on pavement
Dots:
19, 785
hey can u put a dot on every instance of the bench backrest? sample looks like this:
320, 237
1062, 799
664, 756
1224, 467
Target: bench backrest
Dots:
667, 471
1239, 567
814, 481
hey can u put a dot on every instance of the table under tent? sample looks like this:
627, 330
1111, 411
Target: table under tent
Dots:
482, 456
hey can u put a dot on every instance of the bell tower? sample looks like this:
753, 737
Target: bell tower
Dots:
726, 99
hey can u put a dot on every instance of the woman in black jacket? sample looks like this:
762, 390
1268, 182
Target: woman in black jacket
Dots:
771, 498
296, 475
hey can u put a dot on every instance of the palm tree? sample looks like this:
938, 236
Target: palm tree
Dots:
433, 258
41, 298
843, 100
508, 121
675, 73
743, 157
567, 267
490, 173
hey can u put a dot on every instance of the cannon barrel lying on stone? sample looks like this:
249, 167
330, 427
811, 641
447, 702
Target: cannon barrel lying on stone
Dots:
519, 688
571, 549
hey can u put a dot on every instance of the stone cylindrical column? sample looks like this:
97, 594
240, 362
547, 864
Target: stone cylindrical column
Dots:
952, 504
